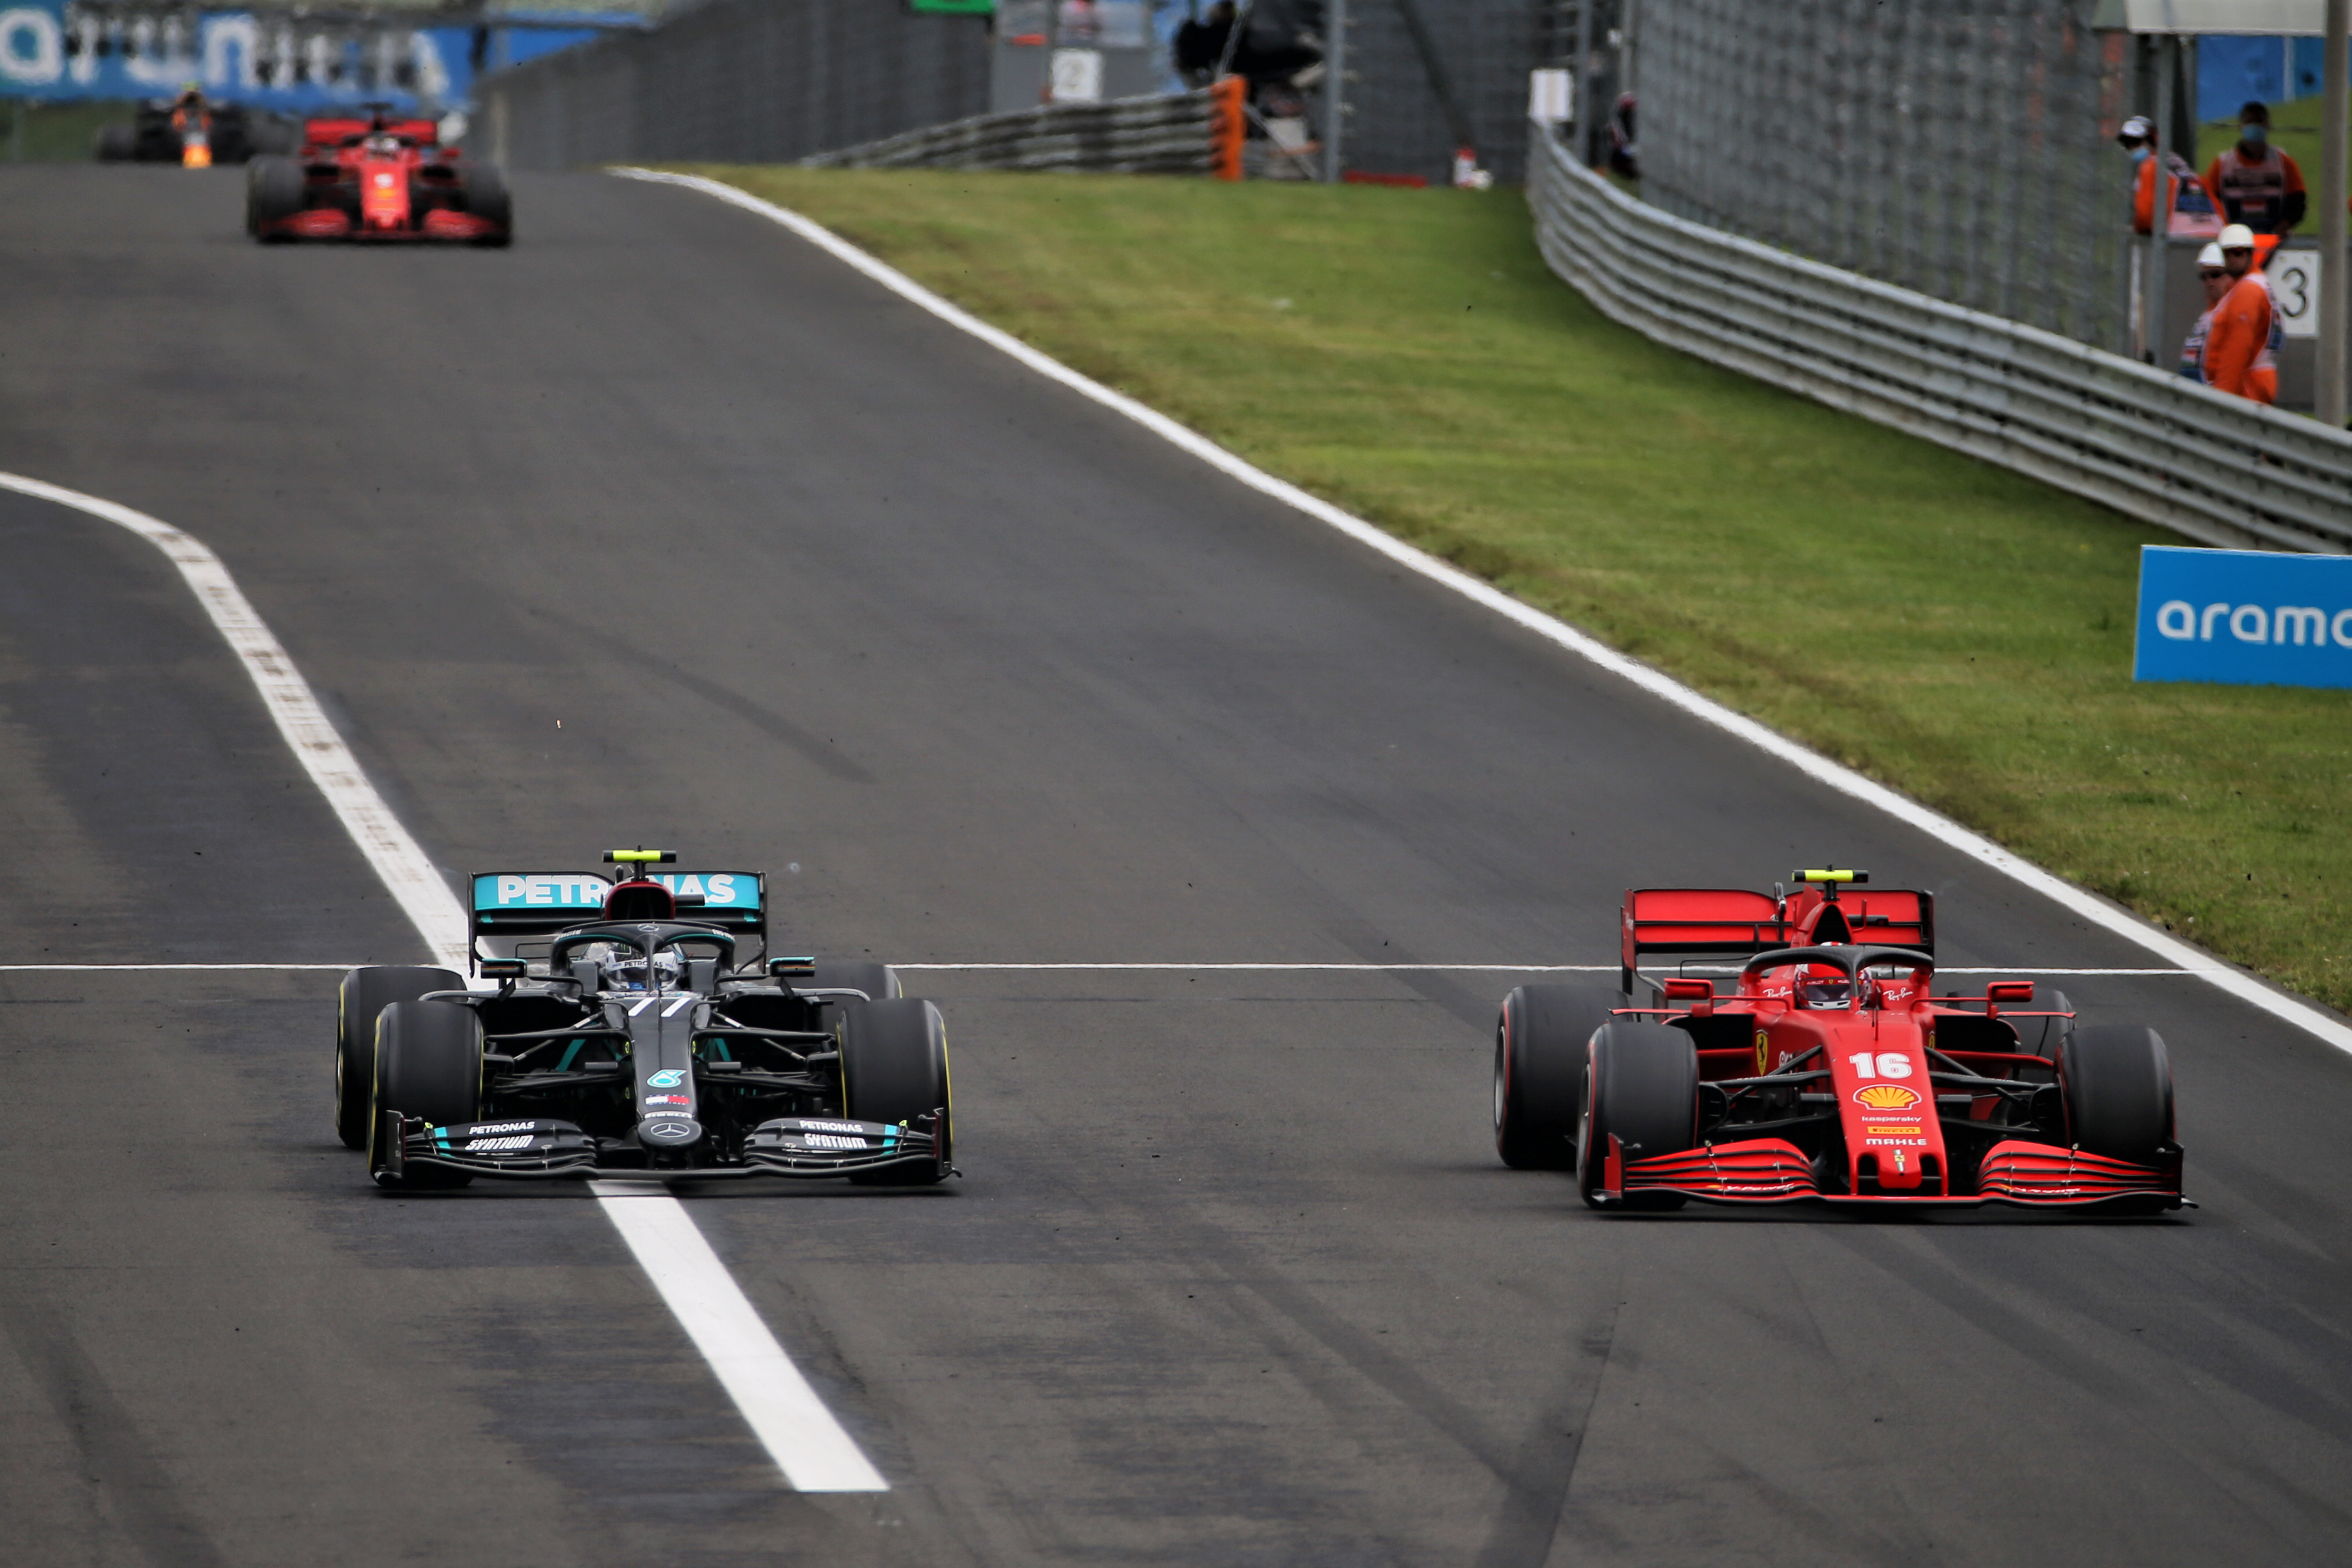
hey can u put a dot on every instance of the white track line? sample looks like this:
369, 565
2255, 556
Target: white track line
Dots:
2086, 906
113, 968
789, 1420
1478, 968
1051, 968
423, 896
807, 1444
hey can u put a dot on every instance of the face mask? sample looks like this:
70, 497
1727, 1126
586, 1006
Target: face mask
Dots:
2140, 156
2252, 135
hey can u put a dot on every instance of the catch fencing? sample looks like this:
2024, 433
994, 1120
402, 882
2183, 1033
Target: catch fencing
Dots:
1165, 135
2149, 444
739, 82
1961, 148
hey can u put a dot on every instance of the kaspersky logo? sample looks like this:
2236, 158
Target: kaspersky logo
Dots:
1887, 1097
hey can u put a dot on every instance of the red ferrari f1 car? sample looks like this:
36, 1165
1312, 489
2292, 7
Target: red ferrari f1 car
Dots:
1827, 1068
380, 178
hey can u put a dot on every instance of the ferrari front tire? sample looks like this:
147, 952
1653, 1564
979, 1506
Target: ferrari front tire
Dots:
894, 1069
2118, 1088
1540, 1047
273, 192
364, 993
1640, 1087
428, 1064
487, 198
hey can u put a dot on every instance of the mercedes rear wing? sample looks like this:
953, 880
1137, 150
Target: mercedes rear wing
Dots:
512, 904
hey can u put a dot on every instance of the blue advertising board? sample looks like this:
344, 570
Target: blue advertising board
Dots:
51, 50
2243, 617
56, 50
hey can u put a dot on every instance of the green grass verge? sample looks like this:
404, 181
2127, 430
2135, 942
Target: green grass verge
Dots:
2294, 126
54, 133
1959, 632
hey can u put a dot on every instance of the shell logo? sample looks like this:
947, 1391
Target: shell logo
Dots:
1887, 1097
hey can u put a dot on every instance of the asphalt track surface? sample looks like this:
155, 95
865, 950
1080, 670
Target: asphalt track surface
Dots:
664, 528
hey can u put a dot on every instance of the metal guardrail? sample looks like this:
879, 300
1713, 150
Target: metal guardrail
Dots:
2148, 443
1161, 135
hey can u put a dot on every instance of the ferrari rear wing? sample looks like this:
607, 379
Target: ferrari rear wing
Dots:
1736, 923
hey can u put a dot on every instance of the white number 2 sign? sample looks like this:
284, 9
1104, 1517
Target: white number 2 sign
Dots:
1889, 1064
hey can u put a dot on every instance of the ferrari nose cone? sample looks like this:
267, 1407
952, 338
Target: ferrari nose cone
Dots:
668, 1131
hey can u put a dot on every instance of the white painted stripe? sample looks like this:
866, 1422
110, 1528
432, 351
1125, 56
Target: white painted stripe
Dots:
2084, 905
1478, 968
807, 1444
113, 968
395, 857
1041, 968
773, 1396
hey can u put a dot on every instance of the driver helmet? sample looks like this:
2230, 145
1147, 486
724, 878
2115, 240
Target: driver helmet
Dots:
1825, 991
626, 970
383, 144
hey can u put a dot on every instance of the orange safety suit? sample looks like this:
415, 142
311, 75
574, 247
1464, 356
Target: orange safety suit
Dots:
2256, 192
2238, 348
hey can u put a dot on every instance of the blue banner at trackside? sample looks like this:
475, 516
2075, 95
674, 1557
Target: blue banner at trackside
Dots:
2243, 617
55, 51
60, 51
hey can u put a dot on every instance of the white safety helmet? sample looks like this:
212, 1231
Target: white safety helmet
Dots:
2212, 255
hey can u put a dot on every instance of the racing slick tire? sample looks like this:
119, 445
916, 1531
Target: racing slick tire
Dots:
364, 993
487, 197
1539, 1050
878, 981
428, 1063
894, 1069
117, 144
1640, 1085
2119, 1090
2045, 1037
273, 191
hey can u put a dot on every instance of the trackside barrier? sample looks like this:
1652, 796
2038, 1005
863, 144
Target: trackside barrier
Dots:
1161, 135
2143, 441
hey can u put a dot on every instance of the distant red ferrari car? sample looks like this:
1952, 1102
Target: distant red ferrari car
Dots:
380, 178
1824, 1068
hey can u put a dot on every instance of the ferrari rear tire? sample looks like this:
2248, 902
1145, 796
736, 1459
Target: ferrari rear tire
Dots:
428, 1063
487, 198
894, 1069
2044, 1037
273, 192
364, 993
1641, 1086
1539, 1050
2118, 1088
117, 144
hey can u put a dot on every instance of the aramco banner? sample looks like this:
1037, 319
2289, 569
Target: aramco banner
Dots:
2243, 617
53, 49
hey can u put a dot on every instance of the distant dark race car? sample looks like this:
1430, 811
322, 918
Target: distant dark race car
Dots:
1825, 1066
384, 177
637, 1027
169, 130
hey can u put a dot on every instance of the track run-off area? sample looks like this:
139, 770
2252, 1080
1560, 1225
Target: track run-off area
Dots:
669, 527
